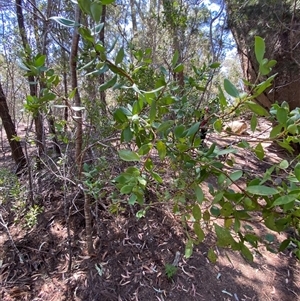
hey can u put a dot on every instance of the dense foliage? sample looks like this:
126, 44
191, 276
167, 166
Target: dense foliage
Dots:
161, 111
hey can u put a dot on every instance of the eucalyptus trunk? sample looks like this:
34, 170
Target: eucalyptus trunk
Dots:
11, 134
278, 23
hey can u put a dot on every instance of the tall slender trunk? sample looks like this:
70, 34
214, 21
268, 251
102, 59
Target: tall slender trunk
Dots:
102, 39
65, 83
77, 99
38, 119
9, 127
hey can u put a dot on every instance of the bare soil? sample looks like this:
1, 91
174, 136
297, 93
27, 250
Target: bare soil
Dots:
47, 263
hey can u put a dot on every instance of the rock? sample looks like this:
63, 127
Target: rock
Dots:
237, 127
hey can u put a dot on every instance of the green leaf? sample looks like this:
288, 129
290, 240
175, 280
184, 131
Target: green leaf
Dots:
284, 245
108, 84
215, 211
96, 11
285, 199
206, 216
259, 49
126, 134
224, 238
218, 125
246, 253
199, 232
226, 209
297, 171
40, 61
199, 194
196, 212
230, 88
193, 129
178, 68
222, 98
188, 249
128, 155
236, 175
132, 199
261, 190
162, 149
98, 28
253, 123
218, 197
259, 151
264, 85
282, 116
85, 5
237, 225
175, 58
215, 65
126, 189
276, 131
226, 151
106, 2
179, 130
120, 56
293, 129
152, 111
256, 108
64, 22
165, 125
23, 66
211, 255
284, 164
119, 116
144, 149
156, 177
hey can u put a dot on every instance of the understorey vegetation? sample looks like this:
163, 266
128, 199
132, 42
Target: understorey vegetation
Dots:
132, 131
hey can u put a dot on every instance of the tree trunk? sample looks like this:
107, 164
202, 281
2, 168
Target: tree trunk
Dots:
77, 99
102, 39
38, 119
278, 23
9, 127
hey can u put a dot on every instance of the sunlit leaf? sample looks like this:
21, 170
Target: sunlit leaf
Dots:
211, 255
230, 88
178, 68
259, 49
246, 253
175, 58
261, 190
199, 232
199, 194
256, 108
162, 149
282, 116
259, 151
188, 249
128, 155
196, 212
276, 131
285, 199
96, 11
218, 125
64, 22
253, 122
77, 109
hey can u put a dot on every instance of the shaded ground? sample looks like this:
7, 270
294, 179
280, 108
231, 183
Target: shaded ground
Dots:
130, 254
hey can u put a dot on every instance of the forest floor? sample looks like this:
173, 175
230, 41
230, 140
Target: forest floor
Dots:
49, 261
